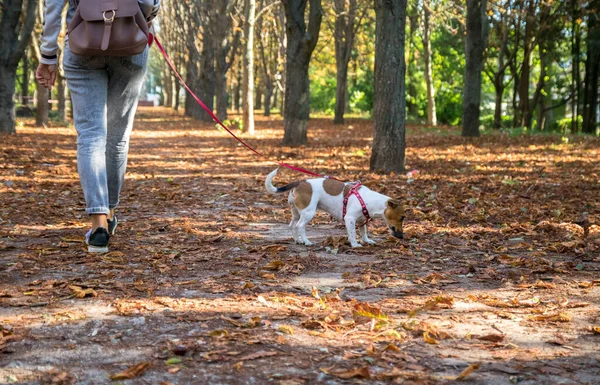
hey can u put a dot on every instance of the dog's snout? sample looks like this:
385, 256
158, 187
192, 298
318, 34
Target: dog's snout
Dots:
397, 233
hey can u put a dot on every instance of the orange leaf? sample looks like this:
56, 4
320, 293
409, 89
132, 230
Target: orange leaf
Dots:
430, 340
131, 372
470, 369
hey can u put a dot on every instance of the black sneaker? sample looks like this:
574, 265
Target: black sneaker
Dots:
112, 225
97, 241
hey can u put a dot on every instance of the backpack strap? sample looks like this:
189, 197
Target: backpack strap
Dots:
109, 10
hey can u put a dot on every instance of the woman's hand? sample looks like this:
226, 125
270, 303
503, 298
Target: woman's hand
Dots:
46, 75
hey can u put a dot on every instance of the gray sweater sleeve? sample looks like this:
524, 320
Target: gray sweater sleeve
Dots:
50, 30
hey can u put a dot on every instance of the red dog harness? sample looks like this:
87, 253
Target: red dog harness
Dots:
354, 191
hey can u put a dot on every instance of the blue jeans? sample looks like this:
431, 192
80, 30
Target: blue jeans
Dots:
104, 93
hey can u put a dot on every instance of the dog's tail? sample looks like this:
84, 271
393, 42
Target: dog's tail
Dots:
276, 190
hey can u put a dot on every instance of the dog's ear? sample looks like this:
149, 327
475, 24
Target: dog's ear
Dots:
393, 203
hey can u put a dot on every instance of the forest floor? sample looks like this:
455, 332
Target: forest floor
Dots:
494, 281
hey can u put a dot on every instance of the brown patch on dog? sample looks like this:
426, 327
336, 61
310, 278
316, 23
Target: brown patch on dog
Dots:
333, 187
347, 189
394, 215
302, 195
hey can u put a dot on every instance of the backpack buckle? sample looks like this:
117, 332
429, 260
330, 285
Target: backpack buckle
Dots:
111, 19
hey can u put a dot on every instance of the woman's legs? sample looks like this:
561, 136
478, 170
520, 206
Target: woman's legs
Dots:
125, 80
87, 79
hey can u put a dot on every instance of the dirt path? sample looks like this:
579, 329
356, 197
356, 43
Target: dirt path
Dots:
203, 286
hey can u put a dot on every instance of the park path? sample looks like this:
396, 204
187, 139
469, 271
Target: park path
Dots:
203, 286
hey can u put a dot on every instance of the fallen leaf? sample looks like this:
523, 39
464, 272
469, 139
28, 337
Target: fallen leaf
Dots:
490, 337
558, 317
219, 333
470, 369
364, 312
430, 340
132, 372
315, 292
273, 265
259, 354
362, 372
392, 348
173, 361
286, 329
82, 293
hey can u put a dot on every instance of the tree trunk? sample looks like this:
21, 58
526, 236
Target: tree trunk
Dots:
344, 40
207, 75
499, 87
237, 94
42, 106
248, 68
192, 79
167, 87
221, 27
431, 114
16, 24
499, 75
281, 76
60, 89
7, 107
389, 104
268, 96
258, 95
413, 19
221, 81
474, 46
176, 96
25, 78
524, 109
576, 53
301, 42
592, 70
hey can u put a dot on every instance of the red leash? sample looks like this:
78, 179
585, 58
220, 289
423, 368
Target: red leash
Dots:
164, 53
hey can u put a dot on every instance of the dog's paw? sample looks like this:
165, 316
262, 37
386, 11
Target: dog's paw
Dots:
356, 245
308, 243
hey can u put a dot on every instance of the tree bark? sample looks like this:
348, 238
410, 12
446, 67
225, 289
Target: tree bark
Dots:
389, 109
60, 90
7, 107
237, 94
474, 46
248, 68
344, 32
576, 53
42, 106
301, 42
207, 75
524, 108
16, 25
413, 19
592, 70
221, 26
498, 78
25, 78
431, 114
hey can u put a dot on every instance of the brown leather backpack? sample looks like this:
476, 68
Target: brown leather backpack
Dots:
108, 28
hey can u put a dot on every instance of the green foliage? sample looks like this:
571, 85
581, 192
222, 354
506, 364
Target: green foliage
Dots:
487, 121
322, 94
564, 126
233, 124
448, 72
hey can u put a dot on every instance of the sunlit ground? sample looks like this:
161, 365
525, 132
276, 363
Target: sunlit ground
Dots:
497, 277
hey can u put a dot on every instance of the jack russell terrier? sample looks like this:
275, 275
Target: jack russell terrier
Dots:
353, 203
